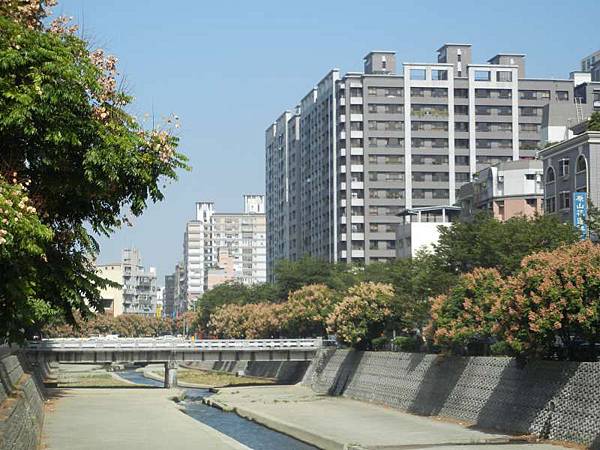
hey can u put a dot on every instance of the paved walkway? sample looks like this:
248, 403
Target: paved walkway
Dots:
132, 419
340, 423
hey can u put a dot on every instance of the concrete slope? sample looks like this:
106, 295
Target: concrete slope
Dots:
340, 423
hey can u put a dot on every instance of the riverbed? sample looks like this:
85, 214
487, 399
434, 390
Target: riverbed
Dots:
250, 434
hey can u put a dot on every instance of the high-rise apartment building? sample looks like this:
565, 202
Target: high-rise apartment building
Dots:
239, 238
138, 291
589, 61
360, 148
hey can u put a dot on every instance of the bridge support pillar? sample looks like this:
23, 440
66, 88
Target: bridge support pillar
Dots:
171, 374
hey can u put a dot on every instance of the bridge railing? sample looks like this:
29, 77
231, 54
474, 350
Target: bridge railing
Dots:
173, 344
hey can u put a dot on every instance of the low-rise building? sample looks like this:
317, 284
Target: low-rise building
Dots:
572, 177
508, 189
112, 297
419, 229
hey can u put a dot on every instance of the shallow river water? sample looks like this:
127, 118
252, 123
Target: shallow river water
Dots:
249, 433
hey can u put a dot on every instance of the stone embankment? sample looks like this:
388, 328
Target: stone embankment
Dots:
553, 400
21, 403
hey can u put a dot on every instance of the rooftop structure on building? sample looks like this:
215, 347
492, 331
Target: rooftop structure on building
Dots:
419, 229
361, 147
216, 239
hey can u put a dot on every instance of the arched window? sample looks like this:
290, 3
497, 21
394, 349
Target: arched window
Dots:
550, 176
581, 165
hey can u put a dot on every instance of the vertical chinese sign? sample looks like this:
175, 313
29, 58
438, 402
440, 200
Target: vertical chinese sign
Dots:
580, 213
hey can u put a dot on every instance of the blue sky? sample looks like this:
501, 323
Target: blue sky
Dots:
229, 68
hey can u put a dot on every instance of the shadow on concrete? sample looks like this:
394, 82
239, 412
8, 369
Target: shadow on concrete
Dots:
345, 373
596, 444
524, 400
414, 361
437, 384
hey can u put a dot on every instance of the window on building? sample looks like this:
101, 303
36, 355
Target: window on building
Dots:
483, 75
418, 74
461, 93
562, 95
563, 167
564, 200
461, 160
550, 175
581, 165
461, 126
461, 110
531, 202
530, 176
550, 205
461, 177
438, 74
504, 76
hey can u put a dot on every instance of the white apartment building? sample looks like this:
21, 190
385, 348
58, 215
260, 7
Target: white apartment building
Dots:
236, 237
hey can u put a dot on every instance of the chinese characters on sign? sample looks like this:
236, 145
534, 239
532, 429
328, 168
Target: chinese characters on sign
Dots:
580, 212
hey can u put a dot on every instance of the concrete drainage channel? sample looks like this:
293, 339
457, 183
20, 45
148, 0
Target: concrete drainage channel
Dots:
247, 432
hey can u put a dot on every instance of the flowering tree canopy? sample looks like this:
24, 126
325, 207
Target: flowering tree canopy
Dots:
249, 321
362, 313
79, 156
306, 310
556, 294
467, 311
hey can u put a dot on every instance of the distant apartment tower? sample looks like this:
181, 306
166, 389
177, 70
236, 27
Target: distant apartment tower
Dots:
139, 284
360, 148
506, 190
588, 63
214, 237
138, 291
173, 300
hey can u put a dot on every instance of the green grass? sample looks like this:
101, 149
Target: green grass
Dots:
217, 379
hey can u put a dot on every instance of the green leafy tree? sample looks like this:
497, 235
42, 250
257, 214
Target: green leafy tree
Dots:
232, 293
594, 122
487, 242
84, 161
23, 243
292, 275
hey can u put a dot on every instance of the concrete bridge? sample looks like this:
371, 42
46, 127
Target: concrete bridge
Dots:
170, 352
